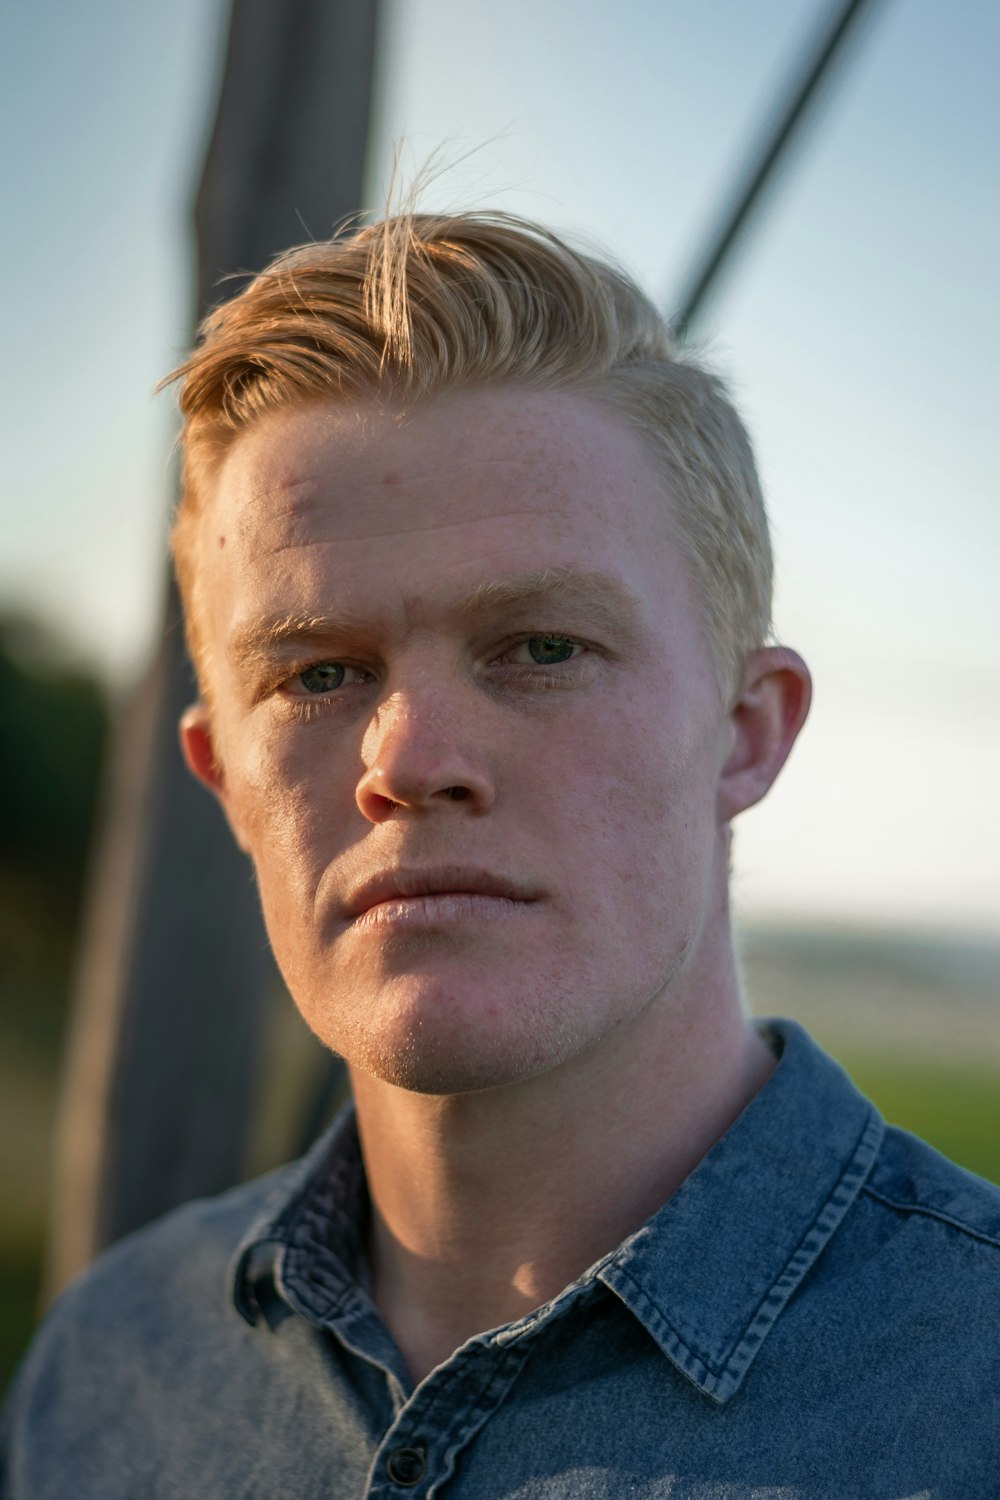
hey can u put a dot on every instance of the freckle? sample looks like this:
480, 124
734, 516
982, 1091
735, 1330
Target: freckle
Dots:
222, 541
391, 478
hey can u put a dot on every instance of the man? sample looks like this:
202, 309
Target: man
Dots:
477, 581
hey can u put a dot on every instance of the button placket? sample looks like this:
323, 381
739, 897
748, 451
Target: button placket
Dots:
442, 1417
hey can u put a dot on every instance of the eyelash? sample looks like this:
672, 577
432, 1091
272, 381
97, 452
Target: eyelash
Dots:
308, 705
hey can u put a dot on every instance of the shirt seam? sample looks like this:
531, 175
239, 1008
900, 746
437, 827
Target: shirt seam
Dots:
926, 1211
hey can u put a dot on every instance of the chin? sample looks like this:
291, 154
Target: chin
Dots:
447, 1039
440, 1075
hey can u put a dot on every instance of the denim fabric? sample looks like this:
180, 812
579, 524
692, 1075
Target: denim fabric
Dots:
813, 1314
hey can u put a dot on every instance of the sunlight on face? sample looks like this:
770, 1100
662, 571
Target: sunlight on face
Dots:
468, 727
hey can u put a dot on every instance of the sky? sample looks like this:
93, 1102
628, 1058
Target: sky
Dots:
858, 329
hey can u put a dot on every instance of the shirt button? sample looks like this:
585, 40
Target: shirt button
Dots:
406, 1465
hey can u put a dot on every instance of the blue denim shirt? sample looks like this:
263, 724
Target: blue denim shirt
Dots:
814, 1313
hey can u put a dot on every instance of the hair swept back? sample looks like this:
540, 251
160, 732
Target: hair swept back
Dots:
420, 303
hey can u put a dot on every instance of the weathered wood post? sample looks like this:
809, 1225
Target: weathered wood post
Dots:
164, 1045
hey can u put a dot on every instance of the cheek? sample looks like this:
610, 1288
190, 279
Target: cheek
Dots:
645, 805
290, 806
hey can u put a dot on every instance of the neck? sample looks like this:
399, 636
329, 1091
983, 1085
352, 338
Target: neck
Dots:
484, 1204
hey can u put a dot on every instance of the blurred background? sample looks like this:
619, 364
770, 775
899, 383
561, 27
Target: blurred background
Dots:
857, 319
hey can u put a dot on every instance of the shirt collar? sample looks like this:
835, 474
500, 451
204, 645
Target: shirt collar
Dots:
308, 1231
707, 1276
710, 1274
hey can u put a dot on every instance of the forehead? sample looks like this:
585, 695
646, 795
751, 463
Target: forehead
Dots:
365, 505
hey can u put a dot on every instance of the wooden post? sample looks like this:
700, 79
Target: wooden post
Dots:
174, 965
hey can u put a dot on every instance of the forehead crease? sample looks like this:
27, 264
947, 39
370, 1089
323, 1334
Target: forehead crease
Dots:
281, 516
295, 497
282, 533
273, 490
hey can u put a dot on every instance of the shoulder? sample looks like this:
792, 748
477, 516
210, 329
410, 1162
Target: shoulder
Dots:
920, 1263
150, 1327
186, 1253
917, 1183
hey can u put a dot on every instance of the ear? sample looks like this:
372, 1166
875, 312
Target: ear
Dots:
198, 747
764, 723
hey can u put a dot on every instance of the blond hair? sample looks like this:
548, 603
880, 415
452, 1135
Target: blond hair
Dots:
418, 304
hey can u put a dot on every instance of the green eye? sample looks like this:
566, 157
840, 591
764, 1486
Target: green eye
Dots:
320, 679
547, 650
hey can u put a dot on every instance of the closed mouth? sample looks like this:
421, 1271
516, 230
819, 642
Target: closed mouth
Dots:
398, 887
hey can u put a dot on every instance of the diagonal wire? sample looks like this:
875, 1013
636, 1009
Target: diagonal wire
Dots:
844, 16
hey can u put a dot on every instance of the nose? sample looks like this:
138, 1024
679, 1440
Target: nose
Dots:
421, 757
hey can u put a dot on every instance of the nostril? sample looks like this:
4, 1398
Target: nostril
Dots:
457, 793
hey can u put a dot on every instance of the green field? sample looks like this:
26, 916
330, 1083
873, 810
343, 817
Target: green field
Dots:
954, 1106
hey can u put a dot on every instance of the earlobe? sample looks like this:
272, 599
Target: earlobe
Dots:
764, 724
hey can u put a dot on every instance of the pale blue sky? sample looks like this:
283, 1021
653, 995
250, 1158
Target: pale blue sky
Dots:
860, 331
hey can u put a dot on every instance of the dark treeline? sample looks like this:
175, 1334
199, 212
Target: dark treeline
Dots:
54, 723
55, 718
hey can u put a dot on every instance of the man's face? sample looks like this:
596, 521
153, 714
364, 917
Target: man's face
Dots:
466, 726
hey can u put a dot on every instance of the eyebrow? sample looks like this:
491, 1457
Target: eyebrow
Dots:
594, 588
605, 601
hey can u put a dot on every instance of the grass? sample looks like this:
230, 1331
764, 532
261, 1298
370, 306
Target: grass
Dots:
20, 1276
954, 1106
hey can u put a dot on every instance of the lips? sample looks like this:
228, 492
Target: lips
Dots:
451, 880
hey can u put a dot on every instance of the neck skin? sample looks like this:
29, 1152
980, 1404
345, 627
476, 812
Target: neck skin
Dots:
484, 1205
